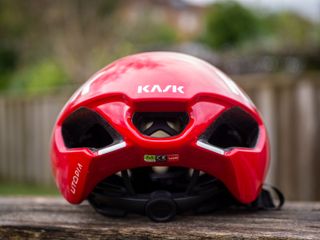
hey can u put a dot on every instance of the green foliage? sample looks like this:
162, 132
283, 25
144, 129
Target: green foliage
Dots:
290, 30
12, 21
41, 76
107, 7
19, 189
148, 33
159, 33
11, 28
80, 35
8, 60
229, 24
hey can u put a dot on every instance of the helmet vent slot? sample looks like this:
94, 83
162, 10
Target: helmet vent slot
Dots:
233, 128
160, 124
86, 128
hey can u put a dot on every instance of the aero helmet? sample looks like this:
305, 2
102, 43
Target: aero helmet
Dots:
160, 133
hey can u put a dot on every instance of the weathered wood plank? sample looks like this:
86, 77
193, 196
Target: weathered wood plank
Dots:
53, 218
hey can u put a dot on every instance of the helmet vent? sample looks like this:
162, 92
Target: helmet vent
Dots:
86, 128
233, 128
160, 124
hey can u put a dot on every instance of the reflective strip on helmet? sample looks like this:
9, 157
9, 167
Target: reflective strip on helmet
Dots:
112, 148
210, 147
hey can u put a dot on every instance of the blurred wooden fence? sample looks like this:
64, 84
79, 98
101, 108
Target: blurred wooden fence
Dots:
290, 107
25, 131
291, 110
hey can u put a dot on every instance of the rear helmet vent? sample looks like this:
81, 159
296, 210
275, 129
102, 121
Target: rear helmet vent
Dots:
86, 128
160, 124
234, 128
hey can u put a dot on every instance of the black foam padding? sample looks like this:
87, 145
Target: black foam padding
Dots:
172, 123
86, 128
233, 128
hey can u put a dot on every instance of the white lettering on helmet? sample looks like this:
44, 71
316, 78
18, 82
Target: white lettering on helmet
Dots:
142, 89
75, 179
180, 89
158, 89
167, 88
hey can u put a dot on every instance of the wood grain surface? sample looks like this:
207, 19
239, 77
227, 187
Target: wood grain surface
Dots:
53, 218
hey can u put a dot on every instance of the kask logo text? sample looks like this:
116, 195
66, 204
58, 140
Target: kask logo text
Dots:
159, 89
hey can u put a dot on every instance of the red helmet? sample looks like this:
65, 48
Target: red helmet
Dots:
159, 133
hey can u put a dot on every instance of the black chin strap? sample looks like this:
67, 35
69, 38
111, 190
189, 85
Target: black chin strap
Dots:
265, 200
224, 200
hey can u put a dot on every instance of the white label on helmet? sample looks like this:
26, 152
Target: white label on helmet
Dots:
158, 89
75, 178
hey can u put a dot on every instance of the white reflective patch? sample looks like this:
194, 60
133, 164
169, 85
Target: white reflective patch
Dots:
112, 148
210, 147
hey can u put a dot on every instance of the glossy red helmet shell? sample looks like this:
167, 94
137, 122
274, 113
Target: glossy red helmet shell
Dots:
161, 82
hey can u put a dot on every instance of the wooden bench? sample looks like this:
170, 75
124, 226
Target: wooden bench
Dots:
53, 218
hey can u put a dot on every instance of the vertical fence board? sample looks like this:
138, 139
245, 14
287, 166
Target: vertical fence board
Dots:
10, 140
37, 148
305, 147
47, 109
3, 156
33, 142
285, 154
28, 136
41, 156
19, 151
265, 103
316, 169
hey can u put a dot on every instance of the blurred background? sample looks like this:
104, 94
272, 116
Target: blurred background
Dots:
270, 48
